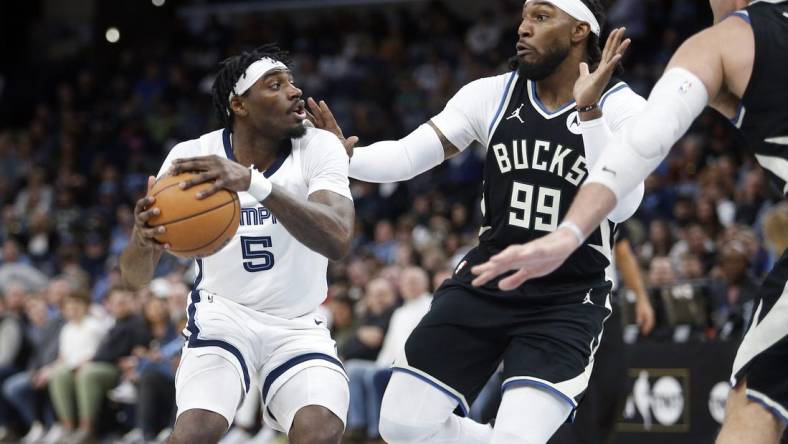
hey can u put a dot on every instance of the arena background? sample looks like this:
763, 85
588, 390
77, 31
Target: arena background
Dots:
93, 94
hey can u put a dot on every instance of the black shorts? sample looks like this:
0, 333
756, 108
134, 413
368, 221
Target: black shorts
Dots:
547, 342
763, 354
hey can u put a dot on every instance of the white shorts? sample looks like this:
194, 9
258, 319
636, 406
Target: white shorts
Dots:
266, 351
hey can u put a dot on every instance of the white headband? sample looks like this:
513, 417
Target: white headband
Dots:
253, 74
577, 10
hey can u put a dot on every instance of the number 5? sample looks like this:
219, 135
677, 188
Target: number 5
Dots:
248, 252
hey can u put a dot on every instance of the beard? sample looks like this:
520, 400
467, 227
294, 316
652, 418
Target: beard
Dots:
545, 66
296, 131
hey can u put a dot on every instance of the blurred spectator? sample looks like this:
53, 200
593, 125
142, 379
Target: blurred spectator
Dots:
733, 291
385, 246
368, 378
661, 272
375, 310
697, 242
13, 346
151, 368
659, 242
775, 224
26, 390
78, 342
16, 266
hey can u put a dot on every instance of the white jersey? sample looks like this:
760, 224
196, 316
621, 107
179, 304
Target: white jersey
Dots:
264, 267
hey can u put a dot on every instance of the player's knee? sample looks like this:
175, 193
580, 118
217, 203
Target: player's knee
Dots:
316, 425
396, 431
198, 427
399, 426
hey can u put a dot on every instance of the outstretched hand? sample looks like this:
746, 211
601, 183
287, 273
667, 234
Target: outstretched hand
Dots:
534, 259
590, 85
322, 117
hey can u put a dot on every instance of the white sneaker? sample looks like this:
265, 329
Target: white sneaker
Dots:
35, 434
55, 434
264, 436
236, 436
124, 393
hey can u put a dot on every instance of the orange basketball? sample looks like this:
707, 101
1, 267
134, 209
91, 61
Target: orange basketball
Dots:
195, 228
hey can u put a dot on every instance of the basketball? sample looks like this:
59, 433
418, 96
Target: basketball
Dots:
195, 227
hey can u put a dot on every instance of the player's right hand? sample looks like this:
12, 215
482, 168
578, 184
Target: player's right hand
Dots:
589, 86
144, 235
322, 117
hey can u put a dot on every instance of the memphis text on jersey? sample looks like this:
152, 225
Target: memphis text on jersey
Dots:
256, 216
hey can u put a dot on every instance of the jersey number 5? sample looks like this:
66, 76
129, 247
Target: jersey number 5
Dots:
253, 247
547, 204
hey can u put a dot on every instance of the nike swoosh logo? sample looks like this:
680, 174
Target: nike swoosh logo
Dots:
608, 170
778, 140
318, 322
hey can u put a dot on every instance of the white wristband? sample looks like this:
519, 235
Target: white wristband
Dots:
571, 226
259, 186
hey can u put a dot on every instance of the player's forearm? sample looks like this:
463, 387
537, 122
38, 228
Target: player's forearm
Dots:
591, 206
398, 160
596, 138
137, 264
630, 272
326, 229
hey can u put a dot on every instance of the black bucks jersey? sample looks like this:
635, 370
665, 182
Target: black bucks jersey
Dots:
763, 116
535, 164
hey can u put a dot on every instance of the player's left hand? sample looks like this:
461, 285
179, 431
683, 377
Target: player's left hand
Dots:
322, 117
534, 259
644, 315
224, 173
589, 86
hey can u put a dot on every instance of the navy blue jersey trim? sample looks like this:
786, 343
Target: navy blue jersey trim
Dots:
279, 371
195, 342
550, 114
742, 15
284, 151
539, 385
611, 92
460, 402
770, 408
228, 146
503, 100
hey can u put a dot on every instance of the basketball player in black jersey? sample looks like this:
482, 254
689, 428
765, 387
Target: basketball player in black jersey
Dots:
738, 67
542, 125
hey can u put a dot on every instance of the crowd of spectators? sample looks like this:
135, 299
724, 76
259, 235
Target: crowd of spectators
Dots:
75, 348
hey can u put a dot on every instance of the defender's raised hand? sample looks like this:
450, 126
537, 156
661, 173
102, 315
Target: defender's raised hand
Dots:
320, 115
590, 85
224, 173
143, 234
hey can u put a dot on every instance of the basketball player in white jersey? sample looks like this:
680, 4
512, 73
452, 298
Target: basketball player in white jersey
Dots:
253, 308
541, 123
737, 67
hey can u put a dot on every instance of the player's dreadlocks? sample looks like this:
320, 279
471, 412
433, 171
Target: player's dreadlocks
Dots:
232, 70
